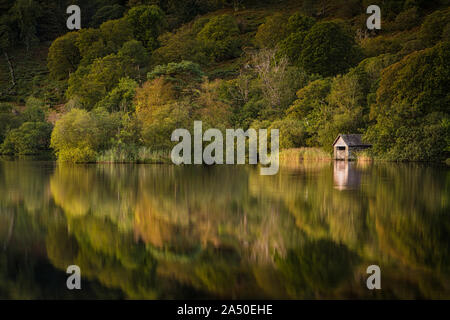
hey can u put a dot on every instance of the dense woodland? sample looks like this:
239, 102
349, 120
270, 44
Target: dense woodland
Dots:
138, 69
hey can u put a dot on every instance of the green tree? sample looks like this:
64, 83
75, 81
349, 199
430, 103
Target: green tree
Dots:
121, 97
272, 31
411, 113
35, 110
220, 37
183, 75
91, 45
91, 84
311, 108
115, 33
329, 49
109, 12
147, 23
63, 56
135, 58
26, 13
30, 138
433, 26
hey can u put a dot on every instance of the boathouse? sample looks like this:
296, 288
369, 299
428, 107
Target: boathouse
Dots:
346, 145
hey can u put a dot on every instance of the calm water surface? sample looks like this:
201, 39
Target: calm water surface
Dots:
152, 231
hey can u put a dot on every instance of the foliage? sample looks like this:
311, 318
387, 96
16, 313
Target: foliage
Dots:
411, 114
147, 23
159, 112
433, 27
8, 120
328, 49
25, 14
79, 134
121, 97
271, 31
29, 139
108, 12
220, 38
236, 69
64, 56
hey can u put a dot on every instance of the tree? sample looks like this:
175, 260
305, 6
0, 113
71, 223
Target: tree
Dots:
433, 26
26, 13
411, 113
183, 75
63, 56
135, 58
181, 45
299, 23
220, 37
115, 33
344, 112
30, 138
6, 43
328, 49
147, 23
271, 32
311, 108
278, 81
159, 111
93, 83
35, 110
91, 45
121, 97
106, 13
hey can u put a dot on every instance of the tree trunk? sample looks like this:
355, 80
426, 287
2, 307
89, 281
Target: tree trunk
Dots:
11, 70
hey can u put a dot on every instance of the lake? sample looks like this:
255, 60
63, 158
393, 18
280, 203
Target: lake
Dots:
195, 232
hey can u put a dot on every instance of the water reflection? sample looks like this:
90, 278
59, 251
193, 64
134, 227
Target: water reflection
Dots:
346, 175
224, 232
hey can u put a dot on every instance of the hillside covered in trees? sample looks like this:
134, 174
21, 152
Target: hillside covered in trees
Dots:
138, 69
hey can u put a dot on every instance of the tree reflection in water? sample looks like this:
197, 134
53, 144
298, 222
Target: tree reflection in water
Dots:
149, 231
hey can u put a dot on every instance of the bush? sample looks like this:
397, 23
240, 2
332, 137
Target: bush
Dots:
8, 120
30, 138
292, 133
82, 154
79, 135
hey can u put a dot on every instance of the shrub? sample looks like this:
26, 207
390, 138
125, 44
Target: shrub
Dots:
29, 139
79, 135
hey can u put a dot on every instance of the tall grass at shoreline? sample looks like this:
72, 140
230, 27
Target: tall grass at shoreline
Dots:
134, 155
294, 155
